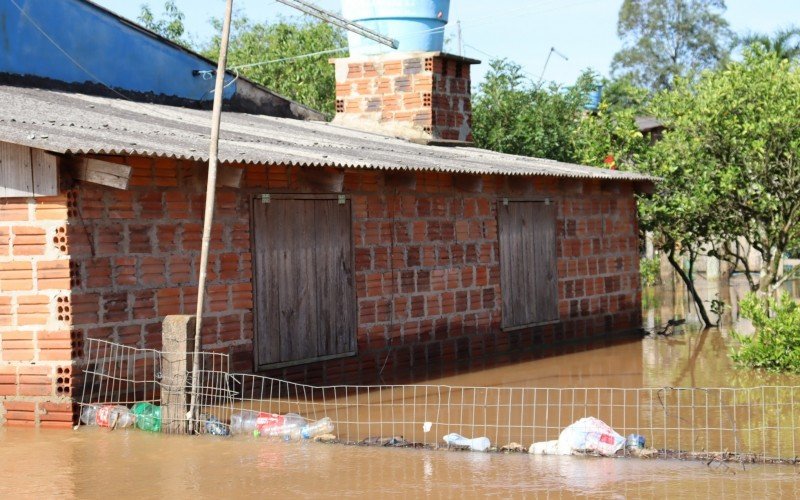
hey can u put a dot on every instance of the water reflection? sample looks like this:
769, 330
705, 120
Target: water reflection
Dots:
93, 463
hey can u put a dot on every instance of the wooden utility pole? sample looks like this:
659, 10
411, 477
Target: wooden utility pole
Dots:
208, 220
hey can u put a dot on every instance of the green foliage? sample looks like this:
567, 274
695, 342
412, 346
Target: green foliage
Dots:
170, 25
609, 137
785, 43
776, 344
664, 39
309, 81
650, 271
622, 94
511, 115
729, 162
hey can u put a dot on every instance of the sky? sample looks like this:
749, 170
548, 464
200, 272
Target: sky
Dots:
520, 30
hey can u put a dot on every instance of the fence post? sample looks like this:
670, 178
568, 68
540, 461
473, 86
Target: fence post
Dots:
178, 346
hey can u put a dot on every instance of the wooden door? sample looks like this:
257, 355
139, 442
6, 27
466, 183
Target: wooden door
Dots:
303, 271
528, 277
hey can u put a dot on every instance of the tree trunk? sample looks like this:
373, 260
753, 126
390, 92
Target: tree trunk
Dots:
692, 290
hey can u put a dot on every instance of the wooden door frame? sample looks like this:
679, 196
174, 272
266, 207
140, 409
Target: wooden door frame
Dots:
504, 200
287, 195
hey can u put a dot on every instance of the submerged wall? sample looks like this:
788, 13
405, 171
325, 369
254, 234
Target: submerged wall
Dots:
426, 260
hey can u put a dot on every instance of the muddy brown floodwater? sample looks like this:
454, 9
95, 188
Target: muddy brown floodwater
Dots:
96, 463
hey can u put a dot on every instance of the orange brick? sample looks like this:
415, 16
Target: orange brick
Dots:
14, 209
51, 208
28, 240
53, 275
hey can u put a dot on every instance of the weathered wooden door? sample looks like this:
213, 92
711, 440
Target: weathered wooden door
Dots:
303, 272
528, 268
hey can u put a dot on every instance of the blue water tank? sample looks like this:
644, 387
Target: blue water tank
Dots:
594, 98
418, 25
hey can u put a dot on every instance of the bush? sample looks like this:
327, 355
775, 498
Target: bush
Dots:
775, 346
650, 271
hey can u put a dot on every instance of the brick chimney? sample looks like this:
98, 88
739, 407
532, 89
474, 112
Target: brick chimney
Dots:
421, 96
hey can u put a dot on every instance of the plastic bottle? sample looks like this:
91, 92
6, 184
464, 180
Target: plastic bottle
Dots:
244, 422
114, 416
148, 416
476, 444
321, 426
287, 427
635, 442
89, 415
213, 425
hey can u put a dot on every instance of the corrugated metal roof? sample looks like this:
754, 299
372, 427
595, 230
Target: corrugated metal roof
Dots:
81, 124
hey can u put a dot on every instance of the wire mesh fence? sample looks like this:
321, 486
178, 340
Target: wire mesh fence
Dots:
118, 375
747, 424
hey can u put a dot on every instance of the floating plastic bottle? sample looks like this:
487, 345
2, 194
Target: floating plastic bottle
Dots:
89, 415
246, 421
635, 442
476, 444
213, 425
318, 428
148, 416
115, 416
287, 427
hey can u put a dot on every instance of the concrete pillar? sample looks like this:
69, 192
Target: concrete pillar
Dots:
178, 346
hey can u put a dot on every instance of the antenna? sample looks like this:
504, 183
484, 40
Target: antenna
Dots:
552, 51
460, 40
339, 21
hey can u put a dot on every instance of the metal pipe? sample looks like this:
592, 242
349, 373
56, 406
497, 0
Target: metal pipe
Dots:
211, 186
337, 20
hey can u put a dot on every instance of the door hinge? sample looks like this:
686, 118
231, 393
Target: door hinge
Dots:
547, 201
342, 199
265, 198
505, 202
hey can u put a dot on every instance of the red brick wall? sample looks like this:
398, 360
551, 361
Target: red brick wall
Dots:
428, 93
426, 270
36, 345
136, 256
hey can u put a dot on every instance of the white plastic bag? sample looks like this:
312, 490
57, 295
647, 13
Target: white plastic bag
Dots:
587, 435
590, 435
476, 444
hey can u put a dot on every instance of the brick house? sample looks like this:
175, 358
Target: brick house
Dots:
338, 255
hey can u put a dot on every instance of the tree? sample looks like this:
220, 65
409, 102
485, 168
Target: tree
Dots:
308, 80
170, 25
609, 138
730, 163
512, 115
664, 39
785, 43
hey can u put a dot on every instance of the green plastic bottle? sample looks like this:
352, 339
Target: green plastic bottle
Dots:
148, 416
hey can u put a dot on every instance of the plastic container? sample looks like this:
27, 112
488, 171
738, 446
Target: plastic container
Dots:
318, 428
635, 442
244, 422
148, 416
89, 415
286, 427
417, 25
214, 426
475, 444
116, 417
